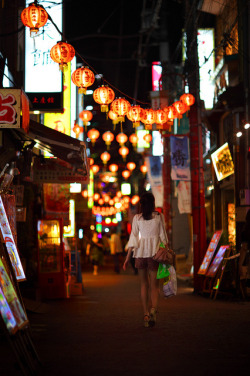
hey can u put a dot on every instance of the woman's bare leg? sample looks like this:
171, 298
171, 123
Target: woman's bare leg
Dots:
154, 288
144, 289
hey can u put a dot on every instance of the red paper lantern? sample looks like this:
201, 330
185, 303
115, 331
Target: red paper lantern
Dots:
93, 134
96, 196
126, 174
105, 157
124, 152
95, 168
83, 77
171, 112
77, 129
34, 17
135, 199
133, 138
181, 108
120, 107
86, 116
161, 117
147, 138
144, 169
135, 114
121, 138
62, 53
108, 137
91, 161
104, 95
188, 99
84, 193
148, 118
113, 167
131, 166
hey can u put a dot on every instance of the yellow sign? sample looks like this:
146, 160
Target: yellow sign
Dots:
222, 161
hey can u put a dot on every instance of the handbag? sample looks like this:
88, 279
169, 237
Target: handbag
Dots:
170, 284
164, 255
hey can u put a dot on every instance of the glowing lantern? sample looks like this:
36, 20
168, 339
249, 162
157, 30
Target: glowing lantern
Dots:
85, 193
100, 201
95, 168
106, 198
181, 108
133, 138
144, 169
126, 174
135, 113
93, 134
96, 196
105, 157
121, 138
135, 199
171, 112
124, 152
148, 118
188, 99
62, 53
121, 107
104, 95
119, 194
77, 129
131, 166
34, 17
161, 117
86, 116
111, 202
113, 167
126, 199
91, 161
108, 137
83, 77
114, 117
147, 138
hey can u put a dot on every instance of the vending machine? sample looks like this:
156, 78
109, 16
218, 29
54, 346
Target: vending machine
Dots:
52, 273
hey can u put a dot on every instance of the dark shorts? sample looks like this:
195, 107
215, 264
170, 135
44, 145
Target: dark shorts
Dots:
146, 263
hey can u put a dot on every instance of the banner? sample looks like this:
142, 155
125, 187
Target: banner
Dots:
180, 160
154, 166
184, 197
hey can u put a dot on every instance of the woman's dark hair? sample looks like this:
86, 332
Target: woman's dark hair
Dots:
147, 205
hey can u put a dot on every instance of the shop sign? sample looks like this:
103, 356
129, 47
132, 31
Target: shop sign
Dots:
210, 252
13, 104
222, 162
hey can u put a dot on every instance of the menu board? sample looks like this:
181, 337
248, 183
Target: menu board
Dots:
217, 261
210, 252
10, 243
12, 298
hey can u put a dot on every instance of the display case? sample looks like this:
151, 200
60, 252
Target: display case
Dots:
51, 255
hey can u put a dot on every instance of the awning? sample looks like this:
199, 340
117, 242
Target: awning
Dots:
62, 146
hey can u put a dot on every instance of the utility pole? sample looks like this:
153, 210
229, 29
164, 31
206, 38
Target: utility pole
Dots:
196, 152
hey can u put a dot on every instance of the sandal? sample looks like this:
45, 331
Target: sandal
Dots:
152, 319
146, 321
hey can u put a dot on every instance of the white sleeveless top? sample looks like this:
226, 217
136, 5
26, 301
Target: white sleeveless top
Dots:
146, 235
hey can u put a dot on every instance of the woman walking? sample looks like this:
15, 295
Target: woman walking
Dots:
146, 235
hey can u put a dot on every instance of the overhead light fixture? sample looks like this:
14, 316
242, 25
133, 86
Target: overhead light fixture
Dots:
238, 134
246, 126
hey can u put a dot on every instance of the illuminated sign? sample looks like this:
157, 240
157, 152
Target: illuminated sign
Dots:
42, 74
69, 231
156, 76
142, 144
75, 188
13, 104
210, 252
222, 162
126, 189
157, 144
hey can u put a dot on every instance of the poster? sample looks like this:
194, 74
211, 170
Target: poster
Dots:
6, 314
10, 244
180, 160
154, 166
218, 258
184, 197
210, 252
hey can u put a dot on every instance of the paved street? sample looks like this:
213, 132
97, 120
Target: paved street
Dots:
101, 333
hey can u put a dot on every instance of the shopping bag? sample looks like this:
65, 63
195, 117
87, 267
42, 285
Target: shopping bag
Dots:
163, 271
170, 284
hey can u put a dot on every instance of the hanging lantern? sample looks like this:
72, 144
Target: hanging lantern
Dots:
135, 113
113, 167
144, 169
77, 129
83, 77
131, 166
96, 196
133, 138
135, 199
126, 174
124, 152
161, 118
84, 193
148, 118
95, 168
147, 137
114, 117
181, 108
104, 95
108, 137
119, 194
171, 112
34, 17
106, 198
93, 134
121, 138
62, 53
105, 157
101, 201
91, 161
188, 99
86, 116
121, 107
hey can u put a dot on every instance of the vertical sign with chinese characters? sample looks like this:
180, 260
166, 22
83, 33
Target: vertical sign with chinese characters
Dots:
180, 160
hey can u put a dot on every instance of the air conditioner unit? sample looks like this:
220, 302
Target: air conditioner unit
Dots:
245, 197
